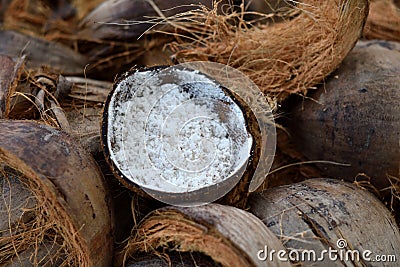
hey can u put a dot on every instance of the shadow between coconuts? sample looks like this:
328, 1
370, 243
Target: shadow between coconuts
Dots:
238, 186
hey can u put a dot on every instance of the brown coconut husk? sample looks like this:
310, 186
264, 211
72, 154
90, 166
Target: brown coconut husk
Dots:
129, 20
315, 214
70, 103
240, 188
83, 108
383, 20
394, 203
40, 52
72, 209
38, 95
46, 31
55, 20
177, 259
52, 20
84, 7
282, 58
354, 118
229, 236
46, 254
27, 236
9, 74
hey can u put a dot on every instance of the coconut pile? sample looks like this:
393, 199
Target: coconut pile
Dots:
199, 133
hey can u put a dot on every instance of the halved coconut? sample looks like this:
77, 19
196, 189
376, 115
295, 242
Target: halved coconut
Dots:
230, 237
177, 134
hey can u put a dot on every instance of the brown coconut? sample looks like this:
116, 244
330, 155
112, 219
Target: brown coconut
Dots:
282, 58
315, 214
229, 236
383, 20
72, 209
40, 52
17, 202
354, 118
265, 11
128, 20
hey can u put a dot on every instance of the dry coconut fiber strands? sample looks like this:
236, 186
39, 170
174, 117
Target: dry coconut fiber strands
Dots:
282, 58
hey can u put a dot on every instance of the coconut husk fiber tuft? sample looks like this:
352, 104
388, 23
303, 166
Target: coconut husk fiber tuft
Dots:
281, 58
54, 207
383, 20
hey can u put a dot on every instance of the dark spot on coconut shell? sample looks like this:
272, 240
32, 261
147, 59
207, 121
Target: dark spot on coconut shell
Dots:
341, 206
315, 227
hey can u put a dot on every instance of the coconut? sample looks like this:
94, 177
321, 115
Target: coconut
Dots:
281, 58
17, 201
265, 11
84, 123
383, 20
128, 20
70, 207
354, 118
45, 254
229, 236
323, 214
32, 17
9, 74
182, 158
40, 52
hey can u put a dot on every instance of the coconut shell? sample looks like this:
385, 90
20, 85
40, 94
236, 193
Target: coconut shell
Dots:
281, 58
85, 125
238, 193
354, 118
261, 11
40, 52
68, 178
177, 259
229, 236
127, 20
9, 74
383, 20
39, 18
15, 204
315, 214
84, 7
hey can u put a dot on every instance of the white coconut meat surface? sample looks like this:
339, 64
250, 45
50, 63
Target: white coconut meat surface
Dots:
175, 130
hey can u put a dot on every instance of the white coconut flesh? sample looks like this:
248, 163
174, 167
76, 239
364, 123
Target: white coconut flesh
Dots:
175, 130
